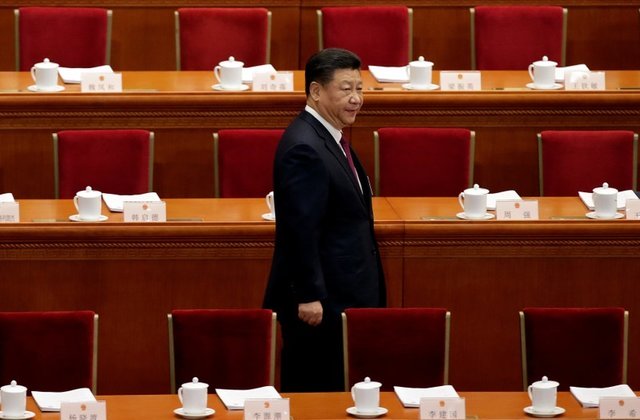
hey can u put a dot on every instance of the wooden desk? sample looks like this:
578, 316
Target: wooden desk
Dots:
183, 111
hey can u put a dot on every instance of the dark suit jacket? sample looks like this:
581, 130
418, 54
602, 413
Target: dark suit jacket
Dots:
325, 247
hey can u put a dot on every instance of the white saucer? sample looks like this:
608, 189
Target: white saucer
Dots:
486, 216
207, 412
593, 215
269, 216
409, 86
230, 89
56, 88
554, 87
76, 218
26, 415
379, 412
556, 412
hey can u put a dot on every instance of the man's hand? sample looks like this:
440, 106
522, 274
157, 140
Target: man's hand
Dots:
310, 313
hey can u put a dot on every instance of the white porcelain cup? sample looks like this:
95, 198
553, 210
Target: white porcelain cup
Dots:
605, 201
14, 400
543, 73
45, 74
271, 203
366, 395
543, 395
193, 396
88, 204
474, 202
229, 73
420, 73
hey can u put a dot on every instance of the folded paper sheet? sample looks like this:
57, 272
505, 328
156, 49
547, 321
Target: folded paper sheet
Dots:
590, 397
74, 75
233, 399
50, 401
410, 397
390, 74
115, 202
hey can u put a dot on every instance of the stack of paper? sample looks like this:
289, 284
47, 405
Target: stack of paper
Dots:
390, 74
623, 196
50, 401
504, 195
6, 198
410, 397
233, 399
561, 71
248, 72
115, 202
74, 75
590, 397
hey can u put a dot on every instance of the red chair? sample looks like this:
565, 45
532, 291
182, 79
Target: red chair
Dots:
412, 162
572, 161
112, 161
207, 36
243, 162
396, 346
584, 347
225, 348
512, 37
379, 35
69, 36
49, 351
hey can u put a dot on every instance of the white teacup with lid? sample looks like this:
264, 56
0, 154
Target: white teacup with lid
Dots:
474, 202
193, 396
366, 396
605, 201
88, 204
420, 73
543, 395
14, 400
45, 75
543, 73
229, 73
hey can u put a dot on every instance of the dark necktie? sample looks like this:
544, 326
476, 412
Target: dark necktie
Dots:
347, 151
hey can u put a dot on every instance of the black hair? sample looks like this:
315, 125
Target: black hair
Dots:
322, 65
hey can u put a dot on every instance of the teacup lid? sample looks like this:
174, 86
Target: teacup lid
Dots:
545, 62
368, 384
476, 190
545, 383
195, 384
231, 62
13, 387
88, 193
421, 62
46, 64
605, 190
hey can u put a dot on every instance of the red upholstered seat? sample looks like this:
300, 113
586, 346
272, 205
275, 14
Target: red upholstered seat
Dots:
512, 37
436, 162
49, 351
584, 347
225, 348
207, 36
379, 35
572, 161
111, 161
396, 346
69, 36
243, 161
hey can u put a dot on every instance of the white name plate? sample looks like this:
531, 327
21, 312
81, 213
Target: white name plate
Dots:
145, 211
619, 407
273, 82
450, 408
101, 82
460, 80
579, 80
10, 212
633, 209
266, 409
90, 410
517, 210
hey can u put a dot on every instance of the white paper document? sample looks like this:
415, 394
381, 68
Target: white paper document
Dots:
74, 75
390, 74
233, 399
503, 195
410, 397
590, 397
248, 72
50, 401
115, 202
561, 71
623, 196
7, 198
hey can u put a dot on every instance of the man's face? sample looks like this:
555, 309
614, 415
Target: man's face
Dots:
339, 100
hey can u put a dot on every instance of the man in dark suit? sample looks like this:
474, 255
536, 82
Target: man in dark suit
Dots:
326, 257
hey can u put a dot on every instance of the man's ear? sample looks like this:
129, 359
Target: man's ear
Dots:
314, 91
